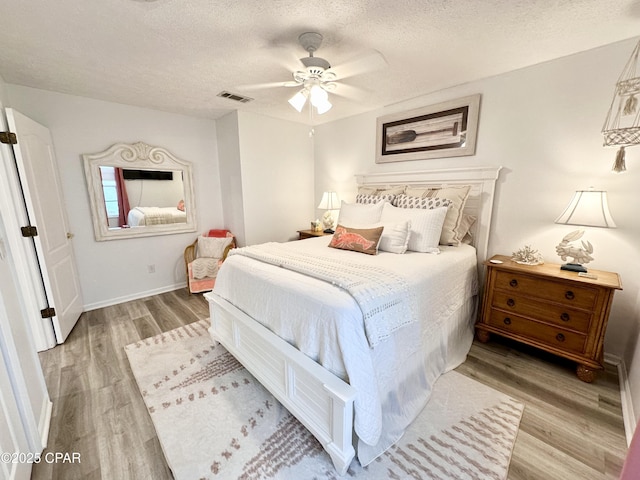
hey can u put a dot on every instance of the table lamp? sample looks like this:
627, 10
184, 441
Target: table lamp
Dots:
329, 202
588, 208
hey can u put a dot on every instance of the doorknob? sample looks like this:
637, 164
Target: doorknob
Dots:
69, 235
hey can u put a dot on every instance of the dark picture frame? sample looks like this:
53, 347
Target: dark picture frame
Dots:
447, 129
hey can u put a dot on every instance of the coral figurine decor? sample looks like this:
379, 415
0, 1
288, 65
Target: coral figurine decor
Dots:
527, 256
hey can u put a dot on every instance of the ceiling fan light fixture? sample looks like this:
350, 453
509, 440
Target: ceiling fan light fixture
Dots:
318, 95
323, 107
299, 99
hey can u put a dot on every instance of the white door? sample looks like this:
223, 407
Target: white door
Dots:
44, 200
12, 436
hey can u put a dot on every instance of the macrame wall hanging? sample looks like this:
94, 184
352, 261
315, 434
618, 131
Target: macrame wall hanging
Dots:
622, 126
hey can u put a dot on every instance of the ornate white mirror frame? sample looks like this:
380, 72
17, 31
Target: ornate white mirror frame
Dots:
138, 156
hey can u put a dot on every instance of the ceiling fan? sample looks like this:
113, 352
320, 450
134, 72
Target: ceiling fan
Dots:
318, 76
316, 79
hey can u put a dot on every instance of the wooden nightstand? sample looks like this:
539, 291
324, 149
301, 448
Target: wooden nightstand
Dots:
302, 234
548, 308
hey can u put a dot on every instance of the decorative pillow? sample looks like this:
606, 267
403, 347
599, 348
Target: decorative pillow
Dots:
397, 190
363, 240
395, 237
212, 247
358, 213
458, 194
451, 234
180, 205
417, 191
362, 198
405, 201
425, 225
367, 191
465, 226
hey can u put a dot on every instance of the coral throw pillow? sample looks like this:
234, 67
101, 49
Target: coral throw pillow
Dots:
363, 240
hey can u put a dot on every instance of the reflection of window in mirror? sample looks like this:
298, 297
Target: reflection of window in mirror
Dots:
115, 196
109, 189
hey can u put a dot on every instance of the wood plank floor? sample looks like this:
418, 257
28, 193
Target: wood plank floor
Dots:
569, 430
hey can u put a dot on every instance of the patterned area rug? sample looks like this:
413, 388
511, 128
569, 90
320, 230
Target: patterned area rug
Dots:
215, 421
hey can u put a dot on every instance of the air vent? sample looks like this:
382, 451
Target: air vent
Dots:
235, 97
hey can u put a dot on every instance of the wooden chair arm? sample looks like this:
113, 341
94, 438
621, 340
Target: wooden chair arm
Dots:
229, 247
189, 256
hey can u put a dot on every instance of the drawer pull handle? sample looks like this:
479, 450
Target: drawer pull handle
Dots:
513, 283
507, 321
511, 302
560, 337
569, 295
565, 317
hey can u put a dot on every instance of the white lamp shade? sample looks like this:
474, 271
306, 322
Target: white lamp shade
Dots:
329, 201
298, 100
323, 107
588, 208
318, 95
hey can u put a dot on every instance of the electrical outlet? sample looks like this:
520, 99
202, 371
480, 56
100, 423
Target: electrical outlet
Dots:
151, 268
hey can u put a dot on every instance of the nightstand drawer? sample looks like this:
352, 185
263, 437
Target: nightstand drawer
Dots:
577, 320
556, 337
572, 295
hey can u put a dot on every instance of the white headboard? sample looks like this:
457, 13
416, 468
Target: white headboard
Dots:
480, 201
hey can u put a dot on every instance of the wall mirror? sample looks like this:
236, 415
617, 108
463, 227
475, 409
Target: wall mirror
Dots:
138, 190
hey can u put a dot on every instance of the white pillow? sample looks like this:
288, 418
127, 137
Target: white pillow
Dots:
212, 247
425, 225
359, 213
395, 236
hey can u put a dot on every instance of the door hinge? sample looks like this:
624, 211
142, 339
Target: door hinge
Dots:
48, 312
8, 137
29, 231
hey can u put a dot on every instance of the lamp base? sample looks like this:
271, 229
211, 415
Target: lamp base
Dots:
573, 267
327, 220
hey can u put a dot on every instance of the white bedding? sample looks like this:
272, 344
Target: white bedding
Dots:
382, 296
393, 380
144, 216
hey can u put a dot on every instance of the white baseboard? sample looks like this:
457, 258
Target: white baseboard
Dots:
133, 296
628, 415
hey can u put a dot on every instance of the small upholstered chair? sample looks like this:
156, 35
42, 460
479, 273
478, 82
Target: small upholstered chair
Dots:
203, 259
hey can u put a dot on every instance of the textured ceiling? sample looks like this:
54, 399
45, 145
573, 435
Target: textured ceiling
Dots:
177, 55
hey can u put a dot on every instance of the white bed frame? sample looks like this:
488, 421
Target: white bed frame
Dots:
322, 402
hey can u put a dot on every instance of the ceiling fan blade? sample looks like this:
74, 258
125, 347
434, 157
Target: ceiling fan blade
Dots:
362, 64
349, 91
286, 57
260, 86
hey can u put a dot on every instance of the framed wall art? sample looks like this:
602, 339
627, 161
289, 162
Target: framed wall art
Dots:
447, 129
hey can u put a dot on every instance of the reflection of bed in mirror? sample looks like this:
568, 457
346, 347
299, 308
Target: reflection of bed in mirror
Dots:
145, 216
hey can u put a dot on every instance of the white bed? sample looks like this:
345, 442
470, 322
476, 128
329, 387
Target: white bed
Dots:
145, 216
338, 381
